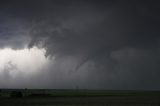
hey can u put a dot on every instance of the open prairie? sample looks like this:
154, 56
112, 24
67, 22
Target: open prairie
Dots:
42, 97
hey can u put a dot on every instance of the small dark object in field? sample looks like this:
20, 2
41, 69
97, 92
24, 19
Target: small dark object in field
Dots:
16, 94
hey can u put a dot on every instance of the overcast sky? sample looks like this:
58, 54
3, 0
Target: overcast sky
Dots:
85, 44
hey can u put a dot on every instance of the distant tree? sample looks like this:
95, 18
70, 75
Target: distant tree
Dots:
0, 92
16, 94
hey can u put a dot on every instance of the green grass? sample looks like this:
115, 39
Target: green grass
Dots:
97, 93
81, 98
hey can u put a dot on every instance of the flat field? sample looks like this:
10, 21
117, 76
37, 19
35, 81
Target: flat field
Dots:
53, 97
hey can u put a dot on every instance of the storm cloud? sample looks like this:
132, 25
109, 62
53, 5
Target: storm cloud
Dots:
95, 44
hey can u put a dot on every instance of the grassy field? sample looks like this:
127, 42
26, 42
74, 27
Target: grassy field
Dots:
44, 97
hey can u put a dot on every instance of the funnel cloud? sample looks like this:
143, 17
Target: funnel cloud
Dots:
92, 44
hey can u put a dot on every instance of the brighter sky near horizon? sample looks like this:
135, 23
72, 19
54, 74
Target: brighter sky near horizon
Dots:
25, 61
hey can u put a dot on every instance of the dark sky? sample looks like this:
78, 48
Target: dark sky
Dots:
97, 44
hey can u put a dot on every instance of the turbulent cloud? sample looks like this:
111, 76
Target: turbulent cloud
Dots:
100, 44
16, 66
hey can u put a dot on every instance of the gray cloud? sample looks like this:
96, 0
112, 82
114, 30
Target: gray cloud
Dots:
100, 44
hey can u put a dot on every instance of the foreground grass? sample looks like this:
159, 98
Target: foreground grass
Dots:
83, 98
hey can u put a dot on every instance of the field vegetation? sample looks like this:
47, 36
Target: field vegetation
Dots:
50, 97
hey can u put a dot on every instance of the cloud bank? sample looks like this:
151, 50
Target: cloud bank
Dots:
95, 44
